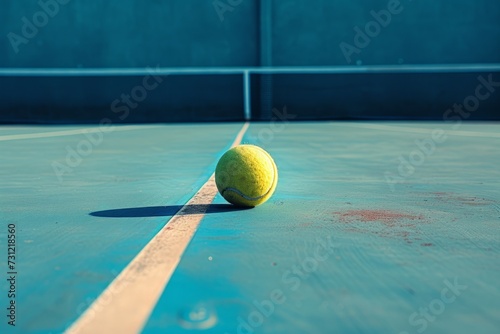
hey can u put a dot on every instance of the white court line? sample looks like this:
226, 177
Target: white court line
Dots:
74, 132
126, 304
422, 130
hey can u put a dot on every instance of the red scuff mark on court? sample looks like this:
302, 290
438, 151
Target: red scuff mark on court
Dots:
383, 223
461, 199
383, 216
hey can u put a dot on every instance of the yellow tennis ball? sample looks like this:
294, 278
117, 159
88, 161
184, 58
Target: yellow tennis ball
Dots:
246, 175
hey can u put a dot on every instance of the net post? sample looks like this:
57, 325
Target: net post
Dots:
247, 95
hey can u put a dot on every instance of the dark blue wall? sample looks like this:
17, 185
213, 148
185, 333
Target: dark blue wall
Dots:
131, 33
138, 33
89, 99
193, 33
309, 32
383, 96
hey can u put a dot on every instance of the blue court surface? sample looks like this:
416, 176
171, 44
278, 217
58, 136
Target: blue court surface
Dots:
374, 228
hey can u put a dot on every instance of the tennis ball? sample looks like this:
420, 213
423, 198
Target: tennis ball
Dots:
246, 175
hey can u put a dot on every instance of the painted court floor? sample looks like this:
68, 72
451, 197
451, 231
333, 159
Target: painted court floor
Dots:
373, 228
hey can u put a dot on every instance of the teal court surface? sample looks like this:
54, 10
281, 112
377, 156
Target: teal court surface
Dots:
374, 228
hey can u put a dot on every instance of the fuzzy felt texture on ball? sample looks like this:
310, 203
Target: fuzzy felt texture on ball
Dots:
246, 175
